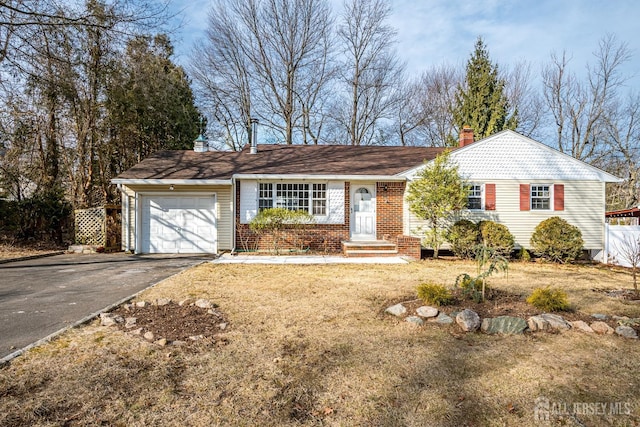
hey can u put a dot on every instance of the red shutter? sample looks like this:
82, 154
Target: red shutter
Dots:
490, 197
558, 197
524, 197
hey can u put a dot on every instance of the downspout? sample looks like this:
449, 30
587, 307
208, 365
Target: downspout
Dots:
233, 215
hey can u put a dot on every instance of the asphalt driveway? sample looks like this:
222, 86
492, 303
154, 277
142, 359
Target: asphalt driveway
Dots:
42, 296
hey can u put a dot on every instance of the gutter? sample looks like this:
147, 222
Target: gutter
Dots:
302, 177
125, 181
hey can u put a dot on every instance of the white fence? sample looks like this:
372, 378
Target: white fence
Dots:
618, 241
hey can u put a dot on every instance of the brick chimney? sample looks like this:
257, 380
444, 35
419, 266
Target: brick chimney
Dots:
466, 136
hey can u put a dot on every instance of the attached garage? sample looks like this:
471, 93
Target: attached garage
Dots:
178, 224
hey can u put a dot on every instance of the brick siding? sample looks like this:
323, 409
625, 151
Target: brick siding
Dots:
328, 237
317, 237
389, 197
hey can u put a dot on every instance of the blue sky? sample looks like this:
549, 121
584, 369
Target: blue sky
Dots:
433, 32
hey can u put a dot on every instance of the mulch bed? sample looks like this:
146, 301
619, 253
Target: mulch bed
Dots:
175, 322
498, 303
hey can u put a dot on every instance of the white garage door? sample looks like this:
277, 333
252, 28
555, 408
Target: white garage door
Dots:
179, 224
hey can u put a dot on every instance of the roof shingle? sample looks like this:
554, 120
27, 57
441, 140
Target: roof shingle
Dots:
282, 160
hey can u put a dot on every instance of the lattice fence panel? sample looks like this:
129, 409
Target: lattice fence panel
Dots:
90, 226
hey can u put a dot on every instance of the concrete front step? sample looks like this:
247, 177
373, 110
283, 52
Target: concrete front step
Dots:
370, 253
369, 248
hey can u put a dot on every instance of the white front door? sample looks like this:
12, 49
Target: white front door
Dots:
363, 212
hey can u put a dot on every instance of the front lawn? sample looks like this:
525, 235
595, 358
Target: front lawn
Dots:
310, 345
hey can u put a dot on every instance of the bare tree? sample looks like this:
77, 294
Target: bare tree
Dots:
289, 43
371, 69
437, 87
623, 137
629, 250
523, 99
409, 113
579, 109
222, 69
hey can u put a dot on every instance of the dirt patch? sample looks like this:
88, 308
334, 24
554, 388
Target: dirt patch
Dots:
175, 322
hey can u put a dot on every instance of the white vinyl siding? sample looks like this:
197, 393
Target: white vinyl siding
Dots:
583, 207
334, 201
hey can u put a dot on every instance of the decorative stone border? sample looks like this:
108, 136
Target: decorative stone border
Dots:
469, 321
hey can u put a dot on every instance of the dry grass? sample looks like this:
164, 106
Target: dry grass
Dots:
13, 250
309, 345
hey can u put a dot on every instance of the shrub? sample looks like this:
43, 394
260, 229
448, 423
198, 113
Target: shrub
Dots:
275, 221
557, 240
547, 299
471, 287
434, 294
496, 236
524, 255
463, 236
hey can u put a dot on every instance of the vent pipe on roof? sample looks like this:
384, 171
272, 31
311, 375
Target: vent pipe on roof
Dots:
466, 136
254, 136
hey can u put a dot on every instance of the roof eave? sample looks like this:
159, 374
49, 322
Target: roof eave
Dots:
142, 181
309, 177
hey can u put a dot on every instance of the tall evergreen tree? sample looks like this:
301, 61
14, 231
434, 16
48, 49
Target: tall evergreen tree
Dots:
481, 101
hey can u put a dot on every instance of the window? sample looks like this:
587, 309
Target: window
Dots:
265, 197
319, 206
311, 198
540, 197
292, 196
474, 198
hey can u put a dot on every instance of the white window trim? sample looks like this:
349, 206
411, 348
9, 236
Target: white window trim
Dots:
310, 183
551, 207
482, 200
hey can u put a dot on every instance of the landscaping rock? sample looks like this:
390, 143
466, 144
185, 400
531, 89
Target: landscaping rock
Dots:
161, 342
203, 303
443, 319
582, 326
601, 328
600, 316
503, 325
468, 320
149, 336
187, 301
397, 310
627, 332
222, 326
415, 320
108, 319
142, 304
130, 322
162, 301
547, 322
426, 311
